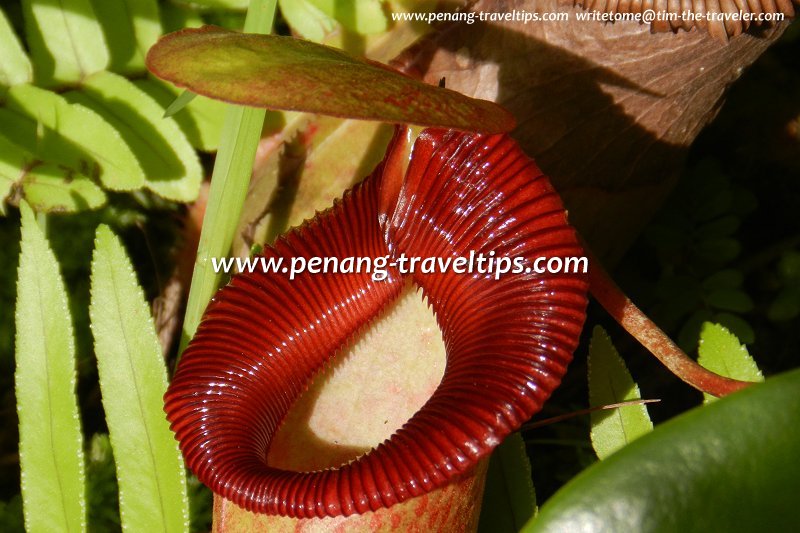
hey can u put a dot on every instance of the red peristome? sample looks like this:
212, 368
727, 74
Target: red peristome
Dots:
508, 341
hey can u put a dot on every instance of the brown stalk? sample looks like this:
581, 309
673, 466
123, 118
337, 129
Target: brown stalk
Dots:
649, 335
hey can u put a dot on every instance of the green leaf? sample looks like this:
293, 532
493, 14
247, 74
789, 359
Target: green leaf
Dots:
509, 499
307, 19
200, 120
721, 352
785, 306
133, 379
360, 16
12, 162
689, 333
171, 167
789, 266
230, 20
130, 27
179, 103
12, 518
744, 201
223, 4
718, 250
201, 504
72, 135
176, 17
15, 66
724, 279
56, 189
102, 488
729, 466
730, 300
66, 40
609, 383
715, 204
50, 441
721, 227
290, 74
736, 325
399, 35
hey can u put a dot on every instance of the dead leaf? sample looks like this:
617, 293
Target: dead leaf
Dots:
607, 110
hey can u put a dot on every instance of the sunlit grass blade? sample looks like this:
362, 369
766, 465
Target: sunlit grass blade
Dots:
229, 183
15, 66
171, 166
509, 499
721, 352
179, 103
50, 440
133, 378
130, 27
609, 383
66, 41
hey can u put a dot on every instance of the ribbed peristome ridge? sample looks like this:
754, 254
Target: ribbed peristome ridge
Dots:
508, 340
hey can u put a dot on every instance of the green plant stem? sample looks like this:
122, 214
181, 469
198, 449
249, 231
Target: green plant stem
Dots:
229, 183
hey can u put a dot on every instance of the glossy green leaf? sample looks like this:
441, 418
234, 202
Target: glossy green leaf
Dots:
130, 27
55, 189
290, 74
200, 120
729, 466
307, 19
15, 67
50, 441
72, 135
133, 379
172, 169
721, 352
609, 383
66, 40
509, 499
